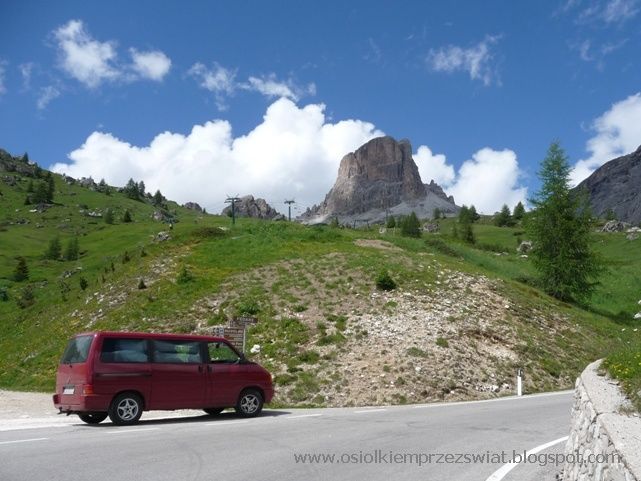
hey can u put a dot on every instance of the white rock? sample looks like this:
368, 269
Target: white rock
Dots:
637, 315
255, 349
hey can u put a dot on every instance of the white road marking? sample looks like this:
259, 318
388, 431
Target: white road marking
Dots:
369, 411
23, 441
137, 430
500, 399
304, 416
506, 468
219, 423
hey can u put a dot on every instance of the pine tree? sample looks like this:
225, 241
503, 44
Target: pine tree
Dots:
30, 186
131, 190
519, 211
474, 216
464, 230
21, 272
126, 216
391, 222
51, 187
560, 227
109, 216
72, 251
54, 250
410, 226
436, 215
141, 189
503, 218
158, 198
83, 283
41, 195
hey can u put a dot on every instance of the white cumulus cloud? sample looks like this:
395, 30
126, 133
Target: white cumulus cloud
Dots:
617, 132
93, 62
152, 65
294, 152
217, 79
270, 86
477, 60
433, 167
488, 180
85, 59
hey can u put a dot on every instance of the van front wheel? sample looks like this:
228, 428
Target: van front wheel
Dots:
93, 418
126, 408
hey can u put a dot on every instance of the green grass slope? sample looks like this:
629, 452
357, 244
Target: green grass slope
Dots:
459, 324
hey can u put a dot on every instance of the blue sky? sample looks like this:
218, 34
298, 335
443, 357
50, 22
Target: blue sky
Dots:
205, 99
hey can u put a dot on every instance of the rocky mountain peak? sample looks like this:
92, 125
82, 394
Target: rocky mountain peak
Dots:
379, 178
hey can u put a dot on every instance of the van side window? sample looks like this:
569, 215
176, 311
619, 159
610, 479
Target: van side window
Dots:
179, 352
124, 350
221, 352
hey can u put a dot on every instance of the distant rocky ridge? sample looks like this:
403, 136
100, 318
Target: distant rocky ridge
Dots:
378, 179
256, 208
616, 186
9, 163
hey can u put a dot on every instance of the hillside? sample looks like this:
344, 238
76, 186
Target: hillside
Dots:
459, 324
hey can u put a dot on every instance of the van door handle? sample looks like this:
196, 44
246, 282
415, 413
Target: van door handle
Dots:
200, 368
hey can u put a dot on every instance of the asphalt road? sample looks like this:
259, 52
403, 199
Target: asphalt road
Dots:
368, 444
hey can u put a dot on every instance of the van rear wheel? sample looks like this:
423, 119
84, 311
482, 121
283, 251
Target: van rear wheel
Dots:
126, 408
250, 403
92, 418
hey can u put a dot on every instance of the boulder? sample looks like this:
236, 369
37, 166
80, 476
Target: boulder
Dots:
524, 247
248, 206
193, 206
615, 226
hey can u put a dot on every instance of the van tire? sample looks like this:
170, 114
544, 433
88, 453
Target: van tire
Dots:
92, 418
214, 411
126, 408
250, 403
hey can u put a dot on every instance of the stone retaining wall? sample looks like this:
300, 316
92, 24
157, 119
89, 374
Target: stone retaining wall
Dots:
601, 429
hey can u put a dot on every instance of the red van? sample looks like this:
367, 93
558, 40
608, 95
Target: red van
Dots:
120, 375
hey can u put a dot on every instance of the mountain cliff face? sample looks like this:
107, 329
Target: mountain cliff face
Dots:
616, 185
380, 177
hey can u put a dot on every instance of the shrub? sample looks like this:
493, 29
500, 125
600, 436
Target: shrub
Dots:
442, 342
4, 294
21, 272
54, 251
184, 276
416, 352
141, 284
72, 251
83, 283
27, 297
126, 216
384, 281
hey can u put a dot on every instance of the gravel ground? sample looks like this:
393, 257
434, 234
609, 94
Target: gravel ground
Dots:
28, 410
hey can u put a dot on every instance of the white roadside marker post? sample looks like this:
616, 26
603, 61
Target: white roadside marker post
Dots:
519, 382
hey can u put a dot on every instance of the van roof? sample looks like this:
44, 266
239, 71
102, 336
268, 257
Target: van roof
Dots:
152, 335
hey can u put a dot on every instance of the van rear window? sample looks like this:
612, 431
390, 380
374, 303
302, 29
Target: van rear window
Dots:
77, 350
124, 350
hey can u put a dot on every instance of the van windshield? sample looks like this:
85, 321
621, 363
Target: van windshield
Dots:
77, 350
